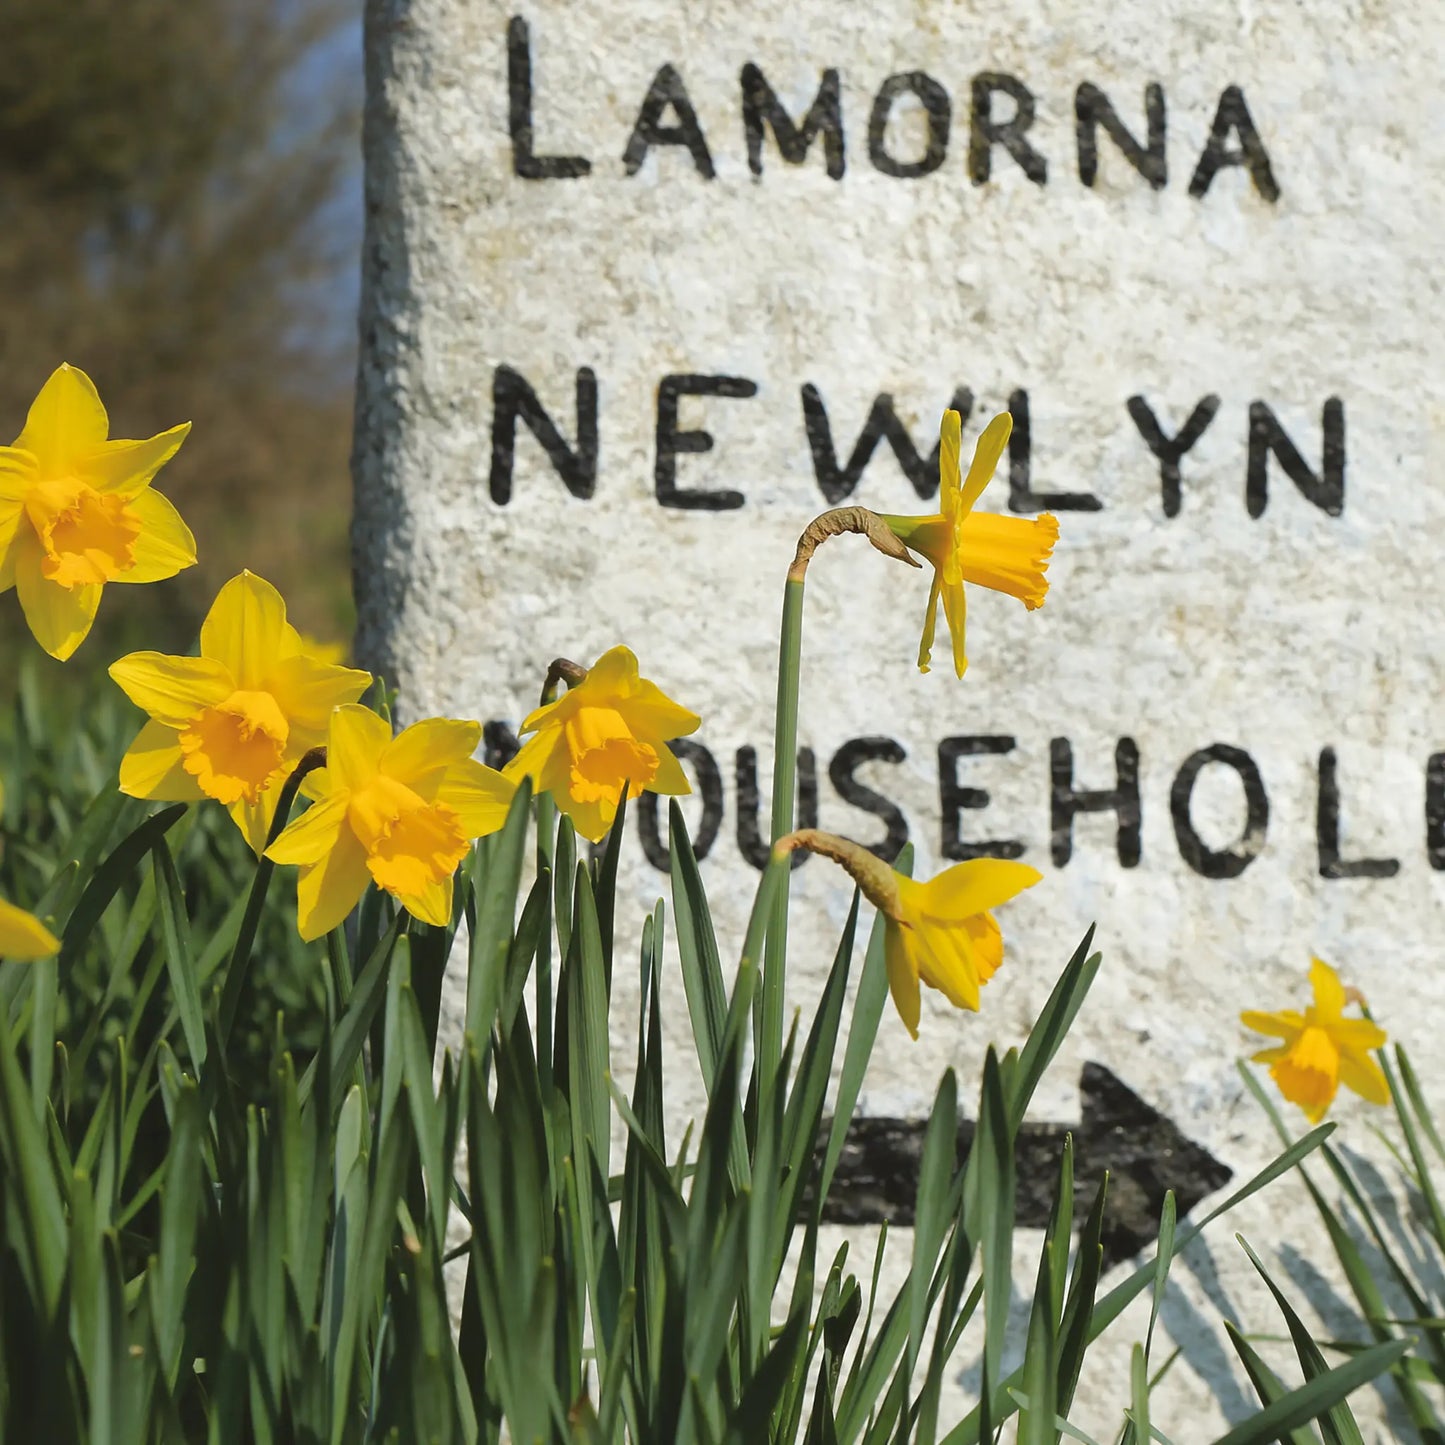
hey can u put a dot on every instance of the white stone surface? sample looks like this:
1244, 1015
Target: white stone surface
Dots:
1280, 635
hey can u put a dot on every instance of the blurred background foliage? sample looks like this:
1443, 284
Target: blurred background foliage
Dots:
179, 216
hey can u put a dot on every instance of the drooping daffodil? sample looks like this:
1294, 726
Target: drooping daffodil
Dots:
941, 932
1005, 553
605, 736
232, 723
78, 511
1321, 1048
398, 811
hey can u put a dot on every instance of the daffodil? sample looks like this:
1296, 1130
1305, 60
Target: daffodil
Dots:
232, 723
941, 932
23, 936
1007, 554
605, 736
397, 811
1321, 1048
78, 511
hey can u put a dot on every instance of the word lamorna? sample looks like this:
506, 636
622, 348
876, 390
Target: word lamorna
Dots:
1001, 112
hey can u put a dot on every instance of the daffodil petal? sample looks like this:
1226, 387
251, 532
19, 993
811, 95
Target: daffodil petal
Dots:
902, 977
328, 890
930, 625
1361, 1035
1283, 1025
1365, 1077
480, 796
650, 712
614, 672
432, 743
955, 609
65, 421
18, 471
354, 744
172, 689
245, 629
945, 962
991, 444
23, 937
59, 617
670, 780
11, 514
433, 905
950, 453
308, 692
987, 939
318, 831
153, 768
165, 545
539, 758
125, 468
976, 886
1271, 1055
1328, 990
255, 819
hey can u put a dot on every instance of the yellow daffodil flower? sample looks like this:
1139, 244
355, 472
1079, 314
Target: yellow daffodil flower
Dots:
398, 811
23, 936
1008, 554
232, 723
78, 511
941, 932
606, 735
1322, 1049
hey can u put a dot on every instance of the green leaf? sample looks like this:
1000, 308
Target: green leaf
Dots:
697, 947
1315, 1397
176, 939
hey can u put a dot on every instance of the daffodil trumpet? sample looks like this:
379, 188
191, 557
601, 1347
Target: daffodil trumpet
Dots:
941, 933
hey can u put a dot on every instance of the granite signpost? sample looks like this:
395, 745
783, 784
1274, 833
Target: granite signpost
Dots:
648, 285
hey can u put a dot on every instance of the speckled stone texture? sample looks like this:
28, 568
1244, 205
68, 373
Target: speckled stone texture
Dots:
1303, 298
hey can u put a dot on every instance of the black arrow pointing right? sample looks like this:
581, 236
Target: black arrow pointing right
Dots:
1144, 1154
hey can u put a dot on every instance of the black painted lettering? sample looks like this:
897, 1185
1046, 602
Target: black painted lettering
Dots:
1066, 803
1233, 115
762, 108
667, 90
1092, 109
1170, 450
525, 161
938, 111
514, 399
709, 788
499, 744
1219, 862
1327, 829
672, 443
841, 773
1435, 811
750, 838
985, 131
1021, 495
953, 797
837, 482
1266, 435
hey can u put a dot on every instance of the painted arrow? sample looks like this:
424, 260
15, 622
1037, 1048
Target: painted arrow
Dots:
1143, 1152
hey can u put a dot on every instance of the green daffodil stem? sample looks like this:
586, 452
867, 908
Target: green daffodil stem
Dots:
785, 763
860, 521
